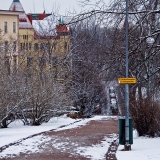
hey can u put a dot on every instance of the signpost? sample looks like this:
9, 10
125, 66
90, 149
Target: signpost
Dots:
127, 80
128, 136
127, 146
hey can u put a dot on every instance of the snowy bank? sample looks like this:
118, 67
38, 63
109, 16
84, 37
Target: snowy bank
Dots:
143, 148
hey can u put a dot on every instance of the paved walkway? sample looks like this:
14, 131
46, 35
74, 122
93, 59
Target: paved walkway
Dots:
62, 144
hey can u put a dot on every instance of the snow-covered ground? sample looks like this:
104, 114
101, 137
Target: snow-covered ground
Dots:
143, 148
16, 131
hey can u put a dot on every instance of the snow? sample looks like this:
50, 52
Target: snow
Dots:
87, 151
143, 148
91, 151
28, 145
46, 26
17, 130
26, 24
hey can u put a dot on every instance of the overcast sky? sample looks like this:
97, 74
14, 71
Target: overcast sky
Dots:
33, 6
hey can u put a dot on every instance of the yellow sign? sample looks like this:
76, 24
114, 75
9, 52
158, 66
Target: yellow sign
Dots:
127, 80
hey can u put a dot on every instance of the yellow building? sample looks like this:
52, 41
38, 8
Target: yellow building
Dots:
9, 34
41, 51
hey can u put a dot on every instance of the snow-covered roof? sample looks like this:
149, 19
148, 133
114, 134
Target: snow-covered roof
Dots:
46, 26
16, 6
23, 19
49, 26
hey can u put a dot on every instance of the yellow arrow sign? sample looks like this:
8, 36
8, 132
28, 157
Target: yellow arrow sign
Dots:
127, 80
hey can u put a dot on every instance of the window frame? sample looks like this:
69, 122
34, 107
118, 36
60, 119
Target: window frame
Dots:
42, 61
36, 47
5, 27
29, 61
14, 27
14, 46
6, 46
54, 61
30, 46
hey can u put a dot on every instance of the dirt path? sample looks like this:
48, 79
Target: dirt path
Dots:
62, 144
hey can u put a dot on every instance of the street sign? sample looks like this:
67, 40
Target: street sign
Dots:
127, 80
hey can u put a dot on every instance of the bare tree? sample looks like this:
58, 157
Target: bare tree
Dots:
144, 57
38, 88
88, 56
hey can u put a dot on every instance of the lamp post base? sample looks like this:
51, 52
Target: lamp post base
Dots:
127, 147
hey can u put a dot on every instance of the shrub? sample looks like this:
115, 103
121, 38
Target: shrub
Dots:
146, 117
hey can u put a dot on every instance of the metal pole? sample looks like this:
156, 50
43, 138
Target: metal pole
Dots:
126, 85
149, 87
149, 47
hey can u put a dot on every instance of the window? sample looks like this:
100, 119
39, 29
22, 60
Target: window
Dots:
29, 46
42, 61
48, 46
29, 61
6, 46
25, 37
54, 61
14, 63
42, 47
5, 27
35, 46
14, 27
26, 46
7, 65
1, 46
54, 45
14, 46
65, 45
21, 46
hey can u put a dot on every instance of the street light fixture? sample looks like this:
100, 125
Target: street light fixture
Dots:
150, 41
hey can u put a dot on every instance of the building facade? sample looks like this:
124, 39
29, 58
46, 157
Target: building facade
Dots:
31, 49
9, 37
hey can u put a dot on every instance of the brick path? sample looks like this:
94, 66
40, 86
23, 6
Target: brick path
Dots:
90, 134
